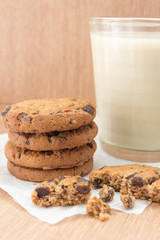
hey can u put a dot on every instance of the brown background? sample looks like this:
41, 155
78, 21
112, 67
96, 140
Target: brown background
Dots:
45, 47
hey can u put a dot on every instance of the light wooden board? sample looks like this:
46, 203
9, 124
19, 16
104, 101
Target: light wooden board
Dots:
45, 45
17, 224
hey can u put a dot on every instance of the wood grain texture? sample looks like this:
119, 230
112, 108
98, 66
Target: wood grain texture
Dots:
43, 49
16, 223
45, 45
124, 8
2, 128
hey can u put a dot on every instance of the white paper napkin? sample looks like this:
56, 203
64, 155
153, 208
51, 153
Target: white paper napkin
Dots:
21, 190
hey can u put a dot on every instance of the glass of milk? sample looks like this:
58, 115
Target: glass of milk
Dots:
126, 63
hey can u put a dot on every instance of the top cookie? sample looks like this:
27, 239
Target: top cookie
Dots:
46, 115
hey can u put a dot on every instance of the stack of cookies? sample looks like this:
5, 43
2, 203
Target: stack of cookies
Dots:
50, 138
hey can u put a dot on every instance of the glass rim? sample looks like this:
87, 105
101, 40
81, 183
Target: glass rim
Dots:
128, 20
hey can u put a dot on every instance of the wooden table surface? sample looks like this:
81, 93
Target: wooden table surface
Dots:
16, 223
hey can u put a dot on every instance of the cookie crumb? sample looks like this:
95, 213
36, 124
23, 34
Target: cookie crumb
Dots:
98, 209
107, 193
128, 201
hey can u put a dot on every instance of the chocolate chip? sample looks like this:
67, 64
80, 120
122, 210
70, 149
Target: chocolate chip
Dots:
129, 202
110, 192
51, 113
88, 109
108, 196
49, 153
62, 186
101, 168
42, 191
151, 180
61, 154
83, 189
82, 180
90, 145
70, 121
77, 108
61, 178
27, 142
59, 111
49, 139
25, 117
19, 156
28, 135
132, 175
147, 197
25, 150
9, 126
158, 174
116, 189
137, 181
54, 181
52, 134
97, 182
106, 199
29, 118
5, 112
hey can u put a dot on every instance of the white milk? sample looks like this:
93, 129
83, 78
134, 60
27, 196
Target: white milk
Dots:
127, 83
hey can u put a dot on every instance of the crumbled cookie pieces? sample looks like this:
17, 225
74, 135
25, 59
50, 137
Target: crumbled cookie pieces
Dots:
128, 201
107, 193
98, 209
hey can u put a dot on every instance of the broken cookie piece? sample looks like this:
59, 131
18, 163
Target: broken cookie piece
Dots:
128, 201
107, 193
62, 191
98, 209
142, 181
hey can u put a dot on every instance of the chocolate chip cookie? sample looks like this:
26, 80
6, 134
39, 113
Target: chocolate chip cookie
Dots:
48, 115
141, 181
39, 175
128, 201
55, 140
65, 190
106, 193
98, 209
65, 158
